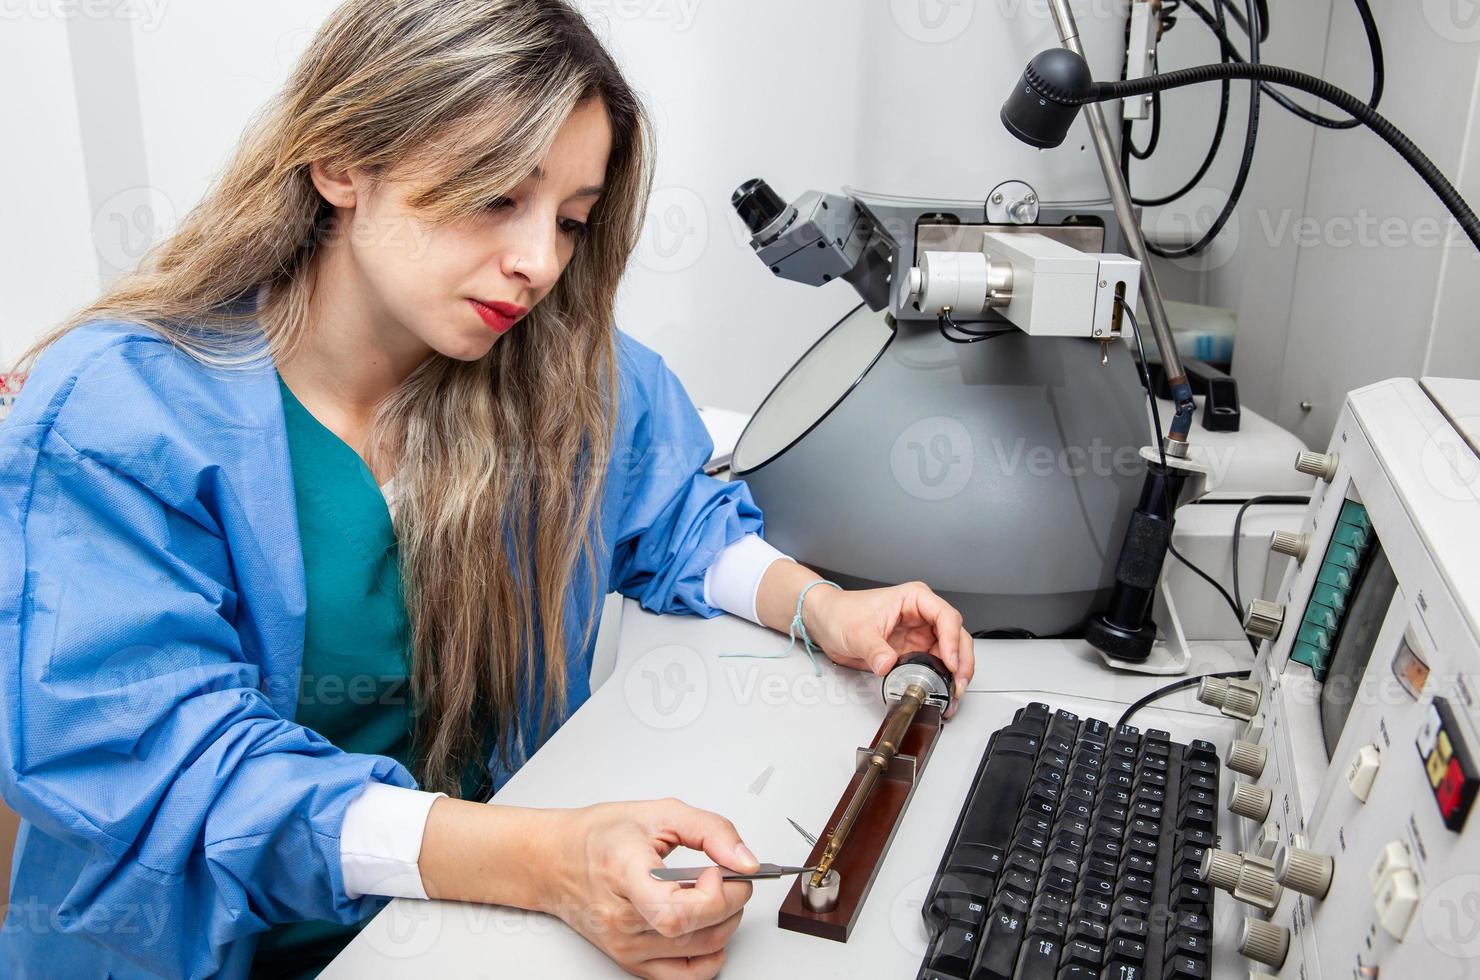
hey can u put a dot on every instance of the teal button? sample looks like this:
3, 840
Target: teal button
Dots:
1350, 535
1329, 596
1321, 616
1335, 576
1354, 513
1306, 654
1317, 636
1344, 555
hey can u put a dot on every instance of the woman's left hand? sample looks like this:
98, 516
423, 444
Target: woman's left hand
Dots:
871, 629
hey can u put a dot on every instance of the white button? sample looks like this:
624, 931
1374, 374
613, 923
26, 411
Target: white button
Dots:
1428, 732
1397, 901
1362, 770
1393, 857
1268, 840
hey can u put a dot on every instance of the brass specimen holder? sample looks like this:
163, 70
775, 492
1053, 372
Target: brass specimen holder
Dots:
868, 840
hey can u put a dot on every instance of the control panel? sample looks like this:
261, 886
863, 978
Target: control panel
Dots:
1356, 853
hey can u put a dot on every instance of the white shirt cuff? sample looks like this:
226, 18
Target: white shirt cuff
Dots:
731, 583
380, 842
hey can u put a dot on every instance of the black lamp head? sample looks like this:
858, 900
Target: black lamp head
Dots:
1042, 107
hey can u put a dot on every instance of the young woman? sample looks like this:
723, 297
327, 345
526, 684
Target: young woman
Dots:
327, 494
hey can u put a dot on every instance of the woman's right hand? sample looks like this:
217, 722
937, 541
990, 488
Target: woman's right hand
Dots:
599, 884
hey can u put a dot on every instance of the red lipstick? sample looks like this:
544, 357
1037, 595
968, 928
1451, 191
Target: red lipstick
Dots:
500, 317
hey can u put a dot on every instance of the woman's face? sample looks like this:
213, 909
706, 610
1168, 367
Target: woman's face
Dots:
457, 287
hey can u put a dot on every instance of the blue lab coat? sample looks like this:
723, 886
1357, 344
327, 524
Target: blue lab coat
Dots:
151, 621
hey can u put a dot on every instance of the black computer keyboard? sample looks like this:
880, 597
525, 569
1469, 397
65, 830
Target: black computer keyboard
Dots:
1076, 856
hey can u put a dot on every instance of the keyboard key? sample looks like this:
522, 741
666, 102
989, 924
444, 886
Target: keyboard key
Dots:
999, 952
1185, 942
1088, 932
1083, 953
955, 948
1024, 861
1135, 906
1187, 968
1128, 927
1009, 903
949, 906
977, 858
1125, 959
1039, 959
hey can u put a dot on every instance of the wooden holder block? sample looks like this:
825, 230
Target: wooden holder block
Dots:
863, 852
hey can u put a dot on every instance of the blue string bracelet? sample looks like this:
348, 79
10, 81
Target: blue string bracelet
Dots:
797, 626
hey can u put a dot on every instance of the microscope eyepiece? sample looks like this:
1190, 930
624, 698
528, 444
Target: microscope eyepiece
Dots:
757, 204
1045, 101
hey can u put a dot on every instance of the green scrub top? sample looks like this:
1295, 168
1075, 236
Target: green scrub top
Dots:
354, 689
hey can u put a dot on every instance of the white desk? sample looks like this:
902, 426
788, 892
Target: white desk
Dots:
676, 719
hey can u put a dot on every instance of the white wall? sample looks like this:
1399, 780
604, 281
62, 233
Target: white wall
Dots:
127, 115
141, 106
1327, 260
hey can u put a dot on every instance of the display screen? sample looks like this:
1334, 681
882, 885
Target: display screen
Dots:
1371, 596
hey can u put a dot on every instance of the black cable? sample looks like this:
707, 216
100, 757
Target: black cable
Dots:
1156, 420
1238, 523
1173, 688
1238, 617
1146, 380
972, 336
1379, 70
1154, 139
1246, 162
1263, 21
1219, 127
1394, 137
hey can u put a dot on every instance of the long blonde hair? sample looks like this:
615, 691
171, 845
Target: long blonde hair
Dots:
500, 461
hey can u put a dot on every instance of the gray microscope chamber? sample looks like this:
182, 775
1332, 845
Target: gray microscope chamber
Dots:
1001, 473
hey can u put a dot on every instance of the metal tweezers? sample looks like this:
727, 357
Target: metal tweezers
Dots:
691, 875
